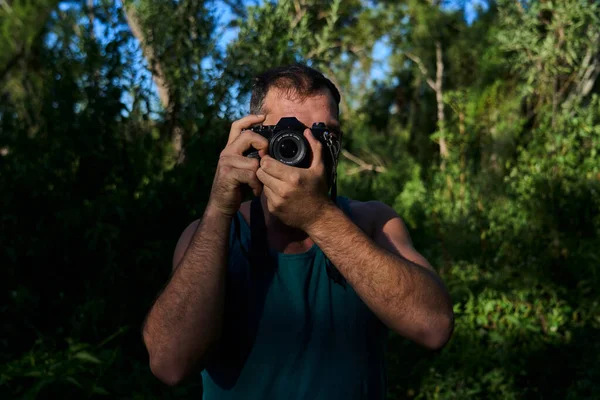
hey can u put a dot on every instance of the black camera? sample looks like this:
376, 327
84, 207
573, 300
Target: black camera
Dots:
288, 145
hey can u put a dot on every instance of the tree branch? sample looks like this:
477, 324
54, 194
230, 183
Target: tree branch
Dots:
23, 48
91, 17
421, 66
300, 13
588, 73
361, 165
11, 63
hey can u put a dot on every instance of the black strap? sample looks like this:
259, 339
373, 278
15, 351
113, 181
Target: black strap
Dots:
260, 260
238, 234
334, 274
332, 160
334, 187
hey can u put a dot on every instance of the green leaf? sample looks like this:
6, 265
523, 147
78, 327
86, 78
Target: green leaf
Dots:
85, 356
74, 381
100, 390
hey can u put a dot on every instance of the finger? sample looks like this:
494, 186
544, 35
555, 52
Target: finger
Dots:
271, 196
239, 162
275, 168
238, 126
244, 176
263, 152
269, 181
317, 149
255, 185
247, 140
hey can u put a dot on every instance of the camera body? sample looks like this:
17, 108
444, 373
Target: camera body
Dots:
288, 145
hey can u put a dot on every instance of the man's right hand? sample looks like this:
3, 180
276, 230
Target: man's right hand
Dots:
235, 169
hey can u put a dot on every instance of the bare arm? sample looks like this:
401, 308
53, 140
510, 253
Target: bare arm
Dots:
388, 274
186, 320
392, 278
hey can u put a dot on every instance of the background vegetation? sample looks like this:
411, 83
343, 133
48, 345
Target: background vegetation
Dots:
482, 132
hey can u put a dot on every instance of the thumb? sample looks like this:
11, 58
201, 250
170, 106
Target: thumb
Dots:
317, 148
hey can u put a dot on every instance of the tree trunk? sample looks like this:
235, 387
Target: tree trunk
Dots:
439, 97
158, 76
463, 152
155, 67
437, 87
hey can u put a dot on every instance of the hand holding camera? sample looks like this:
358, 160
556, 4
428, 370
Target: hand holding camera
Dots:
234, 169
295, 196
280, 150
297, 172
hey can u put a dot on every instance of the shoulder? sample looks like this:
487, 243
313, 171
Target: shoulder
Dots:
184, 242
188, 234
372, 216
385, 227
370, 208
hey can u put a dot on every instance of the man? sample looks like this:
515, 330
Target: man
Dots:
293, 332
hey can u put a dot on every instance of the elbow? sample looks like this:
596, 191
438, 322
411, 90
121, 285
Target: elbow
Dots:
437, 335
167, 373
169, 367
166, 369
430, 333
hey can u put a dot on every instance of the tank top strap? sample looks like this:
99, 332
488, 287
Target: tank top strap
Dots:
240, 236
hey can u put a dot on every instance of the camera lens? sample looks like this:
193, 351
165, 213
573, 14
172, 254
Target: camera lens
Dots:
288, 148
291, 148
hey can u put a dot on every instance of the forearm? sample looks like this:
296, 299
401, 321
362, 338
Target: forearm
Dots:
187, 317
408, 298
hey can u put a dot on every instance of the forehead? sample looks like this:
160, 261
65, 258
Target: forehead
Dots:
317, 108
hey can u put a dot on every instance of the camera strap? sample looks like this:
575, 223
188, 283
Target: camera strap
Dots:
334, 184
334, 147
259, 257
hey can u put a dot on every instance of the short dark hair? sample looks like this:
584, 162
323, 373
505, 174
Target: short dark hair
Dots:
298, 80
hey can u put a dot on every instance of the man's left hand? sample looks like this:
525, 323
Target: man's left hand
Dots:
295, 195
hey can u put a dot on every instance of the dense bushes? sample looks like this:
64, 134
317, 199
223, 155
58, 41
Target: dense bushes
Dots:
501, 195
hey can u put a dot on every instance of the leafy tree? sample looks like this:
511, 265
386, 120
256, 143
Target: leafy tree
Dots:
483, 135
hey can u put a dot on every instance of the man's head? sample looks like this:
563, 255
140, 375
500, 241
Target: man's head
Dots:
304, 93
296, 91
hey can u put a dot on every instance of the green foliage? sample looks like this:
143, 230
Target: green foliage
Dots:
51, 368
93, 200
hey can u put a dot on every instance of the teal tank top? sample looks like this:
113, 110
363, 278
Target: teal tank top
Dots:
294, 334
